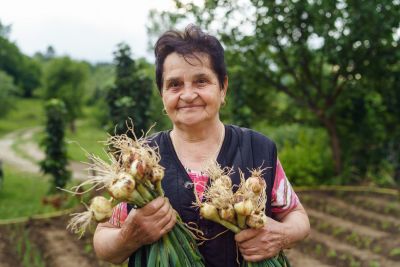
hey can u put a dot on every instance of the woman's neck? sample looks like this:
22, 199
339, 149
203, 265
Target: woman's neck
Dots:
196, 148
193, 135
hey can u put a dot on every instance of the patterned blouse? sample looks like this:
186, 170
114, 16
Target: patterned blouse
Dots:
283, 197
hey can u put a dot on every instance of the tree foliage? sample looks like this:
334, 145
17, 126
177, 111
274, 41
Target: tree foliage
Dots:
55, 162
130, 97
324, 56
7, 93
66, 79
24, 70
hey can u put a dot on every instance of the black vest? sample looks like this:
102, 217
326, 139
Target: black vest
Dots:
242, 149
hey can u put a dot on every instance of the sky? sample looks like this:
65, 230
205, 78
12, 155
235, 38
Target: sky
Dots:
83, 29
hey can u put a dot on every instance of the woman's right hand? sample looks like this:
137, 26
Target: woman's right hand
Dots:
148, 224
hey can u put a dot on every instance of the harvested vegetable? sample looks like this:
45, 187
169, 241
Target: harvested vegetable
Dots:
240, 210
133, 175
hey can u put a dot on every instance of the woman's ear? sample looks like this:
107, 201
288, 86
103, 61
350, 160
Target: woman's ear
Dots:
224, 89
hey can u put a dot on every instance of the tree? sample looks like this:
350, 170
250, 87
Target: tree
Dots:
66, 79
315, 52
24, 70
7, 93
55, 162
130, 96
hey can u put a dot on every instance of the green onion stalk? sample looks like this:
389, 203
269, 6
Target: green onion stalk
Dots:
133, 175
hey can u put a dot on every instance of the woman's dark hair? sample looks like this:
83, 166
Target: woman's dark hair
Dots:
192, 40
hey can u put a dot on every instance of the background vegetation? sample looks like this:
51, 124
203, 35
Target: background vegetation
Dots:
321, 78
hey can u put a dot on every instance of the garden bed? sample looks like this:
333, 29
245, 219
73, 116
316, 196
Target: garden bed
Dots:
360, 236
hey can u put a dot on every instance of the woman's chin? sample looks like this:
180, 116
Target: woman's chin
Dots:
191, 121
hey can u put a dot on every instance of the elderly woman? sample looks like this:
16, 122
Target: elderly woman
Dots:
192, 79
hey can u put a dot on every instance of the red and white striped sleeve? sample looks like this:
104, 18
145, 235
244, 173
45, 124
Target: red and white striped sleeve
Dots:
120, 212
283, 197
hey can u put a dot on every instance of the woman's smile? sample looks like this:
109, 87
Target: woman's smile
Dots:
191, 93
190, 107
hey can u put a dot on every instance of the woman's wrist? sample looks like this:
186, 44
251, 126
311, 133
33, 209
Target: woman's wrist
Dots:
128, 242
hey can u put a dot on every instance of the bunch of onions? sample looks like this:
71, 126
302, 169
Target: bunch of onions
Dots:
133, 175
240, 210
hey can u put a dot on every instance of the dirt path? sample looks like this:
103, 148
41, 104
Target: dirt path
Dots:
29, 153
59, 247
60, 251
298, 259
8, 155
6, 252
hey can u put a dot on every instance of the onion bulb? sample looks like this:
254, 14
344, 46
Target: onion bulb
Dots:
244, 208
223, 181
228, 214
122, 187
209, 212
157, 174
101, 209
255, 184
256, 220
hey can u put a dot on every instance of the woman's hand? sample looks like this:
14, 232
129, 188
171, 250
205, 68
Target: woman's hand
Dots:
263, 243
148, 224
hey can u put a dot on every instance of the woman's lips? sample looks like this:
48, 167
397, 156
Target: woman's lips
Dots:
191, 106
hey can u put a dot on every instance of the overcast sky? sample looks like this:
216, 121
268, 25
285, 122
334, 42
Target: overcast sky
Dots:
82, 29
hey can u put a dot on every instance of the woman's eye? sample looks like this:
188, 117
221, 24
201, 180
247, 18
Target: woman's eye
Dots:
173, 85
201, 81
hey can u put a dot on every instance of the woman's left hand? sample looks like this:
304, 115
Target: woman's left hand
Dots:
259, 244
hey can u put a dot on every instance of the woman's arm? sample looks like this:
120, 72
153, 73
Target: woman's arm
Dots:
266, 242
296, 226
142, 226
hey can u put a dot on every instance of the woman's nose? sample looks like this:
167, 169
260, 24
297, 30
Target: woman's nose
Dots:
188, 93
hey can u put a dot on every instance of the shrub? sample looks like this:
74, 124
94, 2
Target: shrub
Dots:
56, 161
304, 153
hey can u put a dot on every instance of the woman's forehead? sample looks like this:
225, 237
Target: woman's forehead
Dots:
177, 63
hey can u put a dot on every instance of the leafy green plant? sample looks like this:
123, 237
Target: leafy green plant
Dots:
304, 153
395, 252
331, 253
373, 264
65, 79
318, 249
27, 251
55, 162
130, 97
377, 249
7, 93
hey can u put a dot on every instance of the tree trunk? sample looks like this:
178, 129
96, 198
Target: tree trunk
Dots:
330, 125
72, 126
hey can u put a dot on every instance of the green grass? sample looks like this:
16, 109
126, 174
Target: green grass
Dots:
27, 113
88, 137
21, 194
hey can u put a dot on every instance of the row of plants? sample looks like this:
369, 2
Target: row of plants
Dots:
327, 205
331, 256
20, 246
376, 245
387, 205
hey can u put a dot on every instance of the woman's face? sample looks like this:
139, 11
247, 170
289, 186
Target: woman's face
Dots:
191, 92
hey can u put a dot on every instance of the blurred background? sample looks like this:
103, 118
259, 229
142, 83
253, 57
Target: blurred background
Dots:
320, 78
